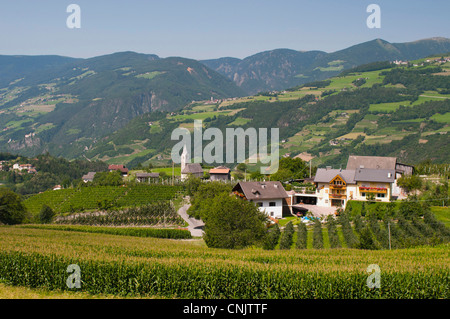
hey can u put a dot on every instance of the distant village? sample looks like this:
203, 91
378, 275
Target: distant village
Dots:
441, 60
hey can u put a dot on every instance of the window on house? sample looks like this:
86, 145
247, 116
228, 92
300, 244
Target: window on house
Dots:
363, 194
380, 195
259, 204
271, 214
272, 204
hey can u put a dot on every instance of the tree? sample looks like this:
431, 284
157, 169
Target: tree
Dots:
239, 175
287, 236
241, 167
317, 234
302, 235
233, 223
410, 182
290, 168
370, 197
192, 184
257, 176
108, 179
410, 208
271, 238
203, 195
12, 210
281, 175
366, 240
332, 232
347, 230
46, 214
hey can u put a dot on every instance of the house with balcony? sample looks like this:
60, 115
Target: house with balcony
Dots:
382, 163
335, 187
375, 184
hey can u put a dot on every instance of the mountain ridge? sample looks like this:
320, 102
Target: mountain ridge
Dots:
69, 106
256, 77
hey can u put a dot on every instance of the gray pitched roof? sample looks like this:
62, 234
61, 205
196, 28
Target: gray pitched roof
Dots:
261, 190
89, 176
325, 175
375, 175
351, 176
193, 168
374, 162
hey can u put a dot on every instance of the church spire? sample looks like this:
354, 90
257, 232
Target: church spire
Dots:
184, 158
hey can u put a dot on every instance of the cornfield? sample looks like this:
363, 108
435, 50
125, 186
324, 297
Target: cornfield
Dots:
136, 266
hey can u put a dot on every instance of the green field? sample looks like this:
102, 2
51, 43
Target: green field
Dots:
442, 118
442, 214
387, 107
199, 116
168, 170
162, 268
149, 75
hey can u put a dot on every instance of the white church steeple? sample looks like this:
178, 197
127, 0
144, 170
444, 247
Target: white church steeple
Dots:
184, 158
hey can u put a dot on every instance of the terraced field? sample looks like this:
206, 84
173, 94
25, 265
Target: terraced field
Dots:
97, 197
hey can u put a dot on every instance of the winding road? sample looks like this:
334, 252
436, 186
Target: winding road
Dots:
195, 225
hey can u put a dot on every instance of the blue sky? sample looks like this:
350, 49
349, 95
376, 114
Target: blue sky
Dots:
202, 29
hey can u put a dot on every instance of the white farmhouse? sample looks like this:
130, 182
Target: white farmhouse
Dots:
270, 197
335, 187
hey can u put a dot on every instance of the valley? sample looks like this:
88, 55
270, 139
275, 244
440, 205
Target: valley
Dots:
121, 108
339, 119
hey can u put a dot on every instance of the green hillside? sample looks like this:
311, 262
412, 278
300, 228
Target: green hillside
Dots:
67, 108
121, 108
375, 109
282, 68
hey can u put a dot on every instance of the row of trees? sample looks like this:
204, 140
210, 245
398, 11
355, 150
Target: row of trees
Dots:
383, 227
